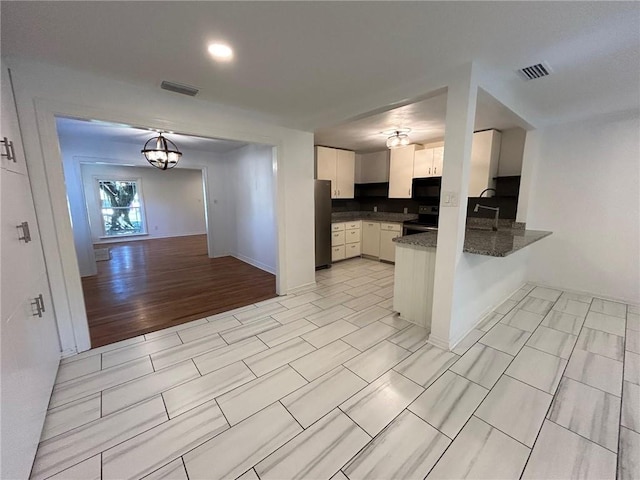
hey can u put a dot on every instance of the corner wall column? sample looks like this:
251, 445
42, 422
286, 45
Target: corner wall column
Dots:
461, 108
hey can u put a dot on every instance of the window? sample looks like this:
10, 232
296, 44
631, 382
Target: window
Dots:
121, 208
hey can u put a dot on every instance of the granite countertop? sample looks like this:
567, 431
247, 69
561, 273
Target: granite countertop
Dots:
374, 216
482, 241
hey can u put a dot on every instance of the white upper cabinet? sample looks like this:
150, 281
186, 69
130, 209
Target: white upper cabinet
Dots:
428, 162
339, 167
345, 173
326, 166
422, 163
401, 171
438, 157
485, 155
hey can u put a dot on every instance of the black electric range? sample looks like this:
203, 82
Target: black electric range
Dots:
427, 221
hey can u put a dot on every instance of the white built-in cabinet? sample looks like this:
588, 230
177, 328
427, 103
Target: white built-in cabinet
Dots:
389, 231
339, 167
345, 240
485, 156
428, 161
377, 239
371, 238
401, 171
28, 334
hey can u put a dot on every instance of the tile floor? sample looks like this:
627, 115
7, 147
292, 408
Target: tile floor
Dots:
328, 383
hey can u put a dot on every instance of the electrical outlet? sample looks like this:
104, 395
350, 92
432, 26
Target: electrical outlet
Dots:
375, 209
406, 210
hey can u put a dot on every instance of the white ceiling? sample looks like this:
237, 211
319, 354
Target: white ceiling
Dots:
98, 131
426, 118
301, 61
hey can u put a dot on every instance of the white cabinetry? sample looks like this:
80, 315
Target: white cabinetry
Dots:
345, 240
28, 333
339, 167
485, 155
401, 171
428, 161
389, 231
413, 283
371, 238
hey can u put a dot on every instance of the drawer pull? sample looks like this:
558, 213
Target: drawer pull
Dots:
26, 234
38, 302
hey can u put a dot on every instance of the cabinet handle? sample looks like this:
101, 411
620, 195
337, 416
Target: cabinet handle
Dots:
338, 192
409, 191
435, 169
26, 234
38, 302
8, 147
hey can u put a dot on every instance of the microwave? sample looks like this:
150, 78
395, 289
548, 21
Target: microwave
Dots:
426, 188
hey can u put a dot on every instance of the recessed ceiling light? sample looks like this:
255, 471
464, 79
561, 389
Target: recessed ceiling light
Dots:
220, 51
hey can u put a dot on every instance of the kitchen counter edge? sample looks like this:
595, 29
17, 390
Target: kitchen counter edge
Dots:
482, 242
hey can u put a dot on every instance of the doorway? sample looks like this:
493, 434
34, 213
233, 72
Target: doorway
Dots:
159, 248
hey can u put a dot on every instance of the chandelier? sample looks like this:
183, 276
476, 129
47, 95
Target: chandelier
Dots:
398, 138
161, 152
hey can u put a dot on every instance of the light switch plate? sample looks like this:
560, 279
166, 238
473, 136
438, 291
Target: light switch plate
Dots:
449, 199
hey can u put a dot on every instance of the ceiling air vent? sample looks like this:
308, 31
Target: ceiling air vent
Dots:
535, 71
178, 88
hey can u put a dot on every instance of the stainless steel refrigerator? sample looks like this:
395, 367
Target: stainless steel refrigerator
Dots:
323, 223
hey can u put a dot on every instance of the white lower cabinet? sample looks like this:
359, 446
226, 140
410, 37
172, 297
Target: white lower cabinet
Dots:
345, 240
389, 231
371, 238
337, 253
413, 283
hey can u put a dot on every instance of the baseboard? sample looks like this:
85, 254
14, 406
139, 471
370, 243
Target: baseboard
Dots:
589, 294
255, 263
482, 316
147, 236
438, 342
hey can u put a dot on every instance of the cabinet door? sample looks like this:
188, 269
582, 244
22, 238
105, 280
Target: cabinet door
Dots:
401, 172
326, 167
15, 161
22, 261
387, 247
438, 157
422, 163
371, 238
345, 173
30, 346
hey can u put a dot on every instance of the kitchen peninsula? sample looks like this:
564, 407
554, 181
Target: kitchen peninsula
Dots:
416, 258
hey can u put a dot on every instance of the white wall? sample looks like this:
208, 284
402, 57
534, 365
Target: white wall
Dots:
76, 149
482, 283
587, 193
254, 216
372, 167
511, 151
42, 91
173, 200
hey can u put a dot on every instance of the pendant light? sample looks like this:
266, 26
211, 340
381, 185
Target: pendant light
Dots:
398, 138
163, 153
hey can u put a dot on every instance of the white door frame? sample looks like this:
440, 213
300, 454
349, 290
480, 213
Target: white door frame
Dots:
57, 236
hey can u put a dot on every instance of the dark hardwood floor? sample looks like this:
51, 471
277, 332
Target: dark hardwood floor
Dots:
149, 285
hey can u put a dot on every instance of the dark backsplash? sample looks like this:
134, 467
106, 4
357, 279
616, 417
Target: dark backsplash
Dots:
375, 195
370, 195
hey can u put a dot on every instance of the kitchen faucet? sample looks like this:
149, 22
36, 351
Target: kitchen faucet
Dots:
487, 190
495, 209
